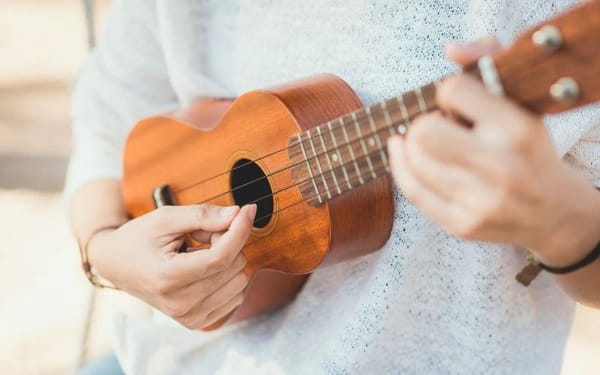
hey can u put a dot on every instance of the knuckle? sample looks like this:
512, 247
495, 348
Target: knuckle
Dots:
521, 140
176, 309
161, 216
490, 211
468, 229
188, 321
448, 88
164, 282
201, 212
162, 287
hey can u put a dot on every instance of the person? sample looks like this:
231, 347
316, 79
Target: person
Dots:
436, 298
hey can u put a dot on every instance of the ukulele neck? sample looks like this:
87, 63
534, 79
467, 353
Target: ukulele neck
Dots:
350, 151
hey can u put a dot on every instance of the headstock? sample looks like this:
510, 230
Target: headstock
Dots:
554, 66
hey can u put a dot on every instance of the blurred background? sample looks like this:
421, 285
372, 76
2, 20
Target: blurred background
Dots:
50, 320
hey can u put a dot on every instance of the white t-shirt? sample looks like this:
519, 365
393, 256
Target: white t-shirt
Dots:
427, 302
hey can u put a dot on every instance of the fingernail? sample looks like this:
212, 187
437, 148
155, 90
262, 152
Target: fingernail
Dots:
251, 211
228, 211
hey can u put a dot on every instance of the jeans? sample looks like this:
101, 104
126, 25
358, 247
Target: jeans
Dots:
107, 365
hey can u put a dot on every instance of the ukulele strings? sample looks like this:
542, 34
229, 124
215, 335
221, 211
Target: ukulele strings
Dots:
289, 166
331, 131
322, 175
299, 201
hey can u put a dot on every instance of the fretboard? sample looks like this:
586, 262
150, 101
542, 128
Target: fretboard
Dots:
350, 151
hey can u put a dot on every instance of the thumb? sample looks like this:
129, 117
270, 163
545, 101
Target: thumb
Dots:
176, 220
467, 53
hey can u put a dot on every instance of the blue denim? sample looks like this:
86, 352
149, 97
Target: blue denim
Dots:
107, 365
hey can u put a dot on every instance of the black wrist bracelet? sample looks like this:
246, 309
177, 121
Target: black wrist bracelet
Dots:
592, 256
534, 266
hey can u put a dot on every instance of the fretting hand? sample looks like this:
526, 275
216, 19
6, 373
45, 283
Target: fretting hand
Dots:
500, 180
196, 288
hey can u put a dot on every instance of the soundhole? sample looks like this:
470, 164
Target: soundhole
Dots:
249, 184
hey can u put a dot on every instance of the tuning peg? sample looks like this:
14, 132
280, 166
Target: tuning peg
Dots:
547, 37
565, 90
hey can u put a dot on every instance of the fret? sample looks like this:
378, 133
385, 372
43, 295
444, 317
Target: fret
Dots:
360, 178
403, 128
420, 100
312, 177
325, 151
337, 150
364, 144
364, 147
429, 91
316, 156
388, 118
378, 139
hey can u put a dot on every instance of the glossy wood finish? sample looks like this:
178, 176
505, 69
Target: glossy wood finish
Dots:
167, 150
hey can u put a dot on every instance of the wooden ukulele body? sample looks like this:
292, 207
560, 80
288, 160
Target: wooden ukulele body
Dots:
187, 150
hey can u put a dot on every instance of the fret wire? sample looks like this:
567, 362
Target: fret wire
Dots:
318, 163
337, 150
309, 168
403, 128
290, 186
378, 169
388, 118
362, 143
436, 85
360, 178
303, 199
403, 109
378, 139
329, 160
420, 100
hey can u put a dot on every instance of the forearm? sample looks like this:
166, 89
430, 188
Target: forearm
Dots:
579, 236
96, 205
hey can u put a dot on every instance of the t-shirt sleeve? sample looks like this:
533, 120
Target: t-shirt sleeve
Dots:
124, 79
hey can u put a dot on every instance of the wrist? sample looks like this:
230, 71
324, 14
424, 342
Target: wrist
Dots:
94, 255
575, 236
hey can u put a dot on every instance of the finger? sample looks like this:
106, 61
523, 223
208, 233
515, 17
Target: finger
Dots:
444, 176
224, 310
206, 237
196, 317
176, 220
206, 286
467, 53
197, 265
203, 236
464, 95
432, 204
446, 140
216, 237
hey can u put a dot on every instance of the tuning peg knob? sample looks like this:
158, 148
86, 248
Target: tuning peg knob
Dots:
565, 90
548, 37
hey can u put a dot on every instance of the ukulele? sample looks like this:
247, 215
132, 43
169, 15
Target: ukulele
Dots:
314, 159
